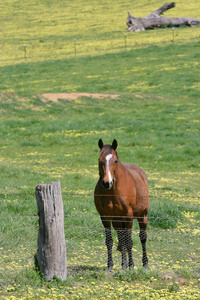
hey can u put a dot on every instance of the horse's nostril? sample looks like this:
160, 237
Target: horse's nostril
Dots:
106, 184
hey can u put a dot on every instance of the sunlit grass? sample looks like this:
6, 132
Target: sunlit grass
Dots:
172, 268
52, 30
53, 142
45, 141
170, 71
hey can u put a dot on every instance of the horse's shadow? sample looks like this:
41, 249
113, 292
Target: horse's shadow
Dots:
82, 270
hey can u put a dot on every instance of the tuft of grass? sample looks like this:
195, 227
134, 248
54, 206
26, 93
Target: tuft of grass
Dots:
165, 213
136, 275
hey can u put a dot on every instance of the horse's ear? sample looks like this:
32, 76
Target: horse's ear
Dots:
100, 144
114, 144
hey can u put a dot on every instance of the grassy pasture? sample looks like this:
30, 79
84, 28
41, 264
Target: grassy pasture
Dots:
171, 71
48, 28
155, 120
41, 142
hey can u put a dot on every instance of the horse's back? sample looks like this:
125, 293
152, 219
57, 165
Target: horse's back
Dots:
136, 172
139, 181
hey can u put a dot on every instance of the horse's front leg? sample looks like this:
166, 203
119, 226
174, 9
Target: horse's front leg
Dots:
109, 244
122, 245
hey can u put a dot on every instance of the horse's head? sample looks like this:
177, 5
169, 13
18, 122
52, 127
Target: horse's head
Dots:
108, 160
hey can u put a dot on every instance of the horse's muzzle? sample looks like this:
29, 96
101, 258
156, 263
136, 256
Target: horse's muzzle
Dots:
107, 184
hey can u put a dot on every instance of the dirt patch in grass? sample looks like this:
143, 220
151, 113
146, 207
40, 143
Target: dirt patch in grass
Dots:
54, 97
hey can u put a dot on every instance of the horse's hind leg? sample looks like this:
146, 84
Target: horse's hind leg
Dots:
122, 245
143, 238
129, 245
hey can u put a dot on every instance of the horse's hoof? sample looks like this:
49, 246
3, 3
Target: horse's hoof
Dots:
146, 267
124, 267
131, 267
110, 268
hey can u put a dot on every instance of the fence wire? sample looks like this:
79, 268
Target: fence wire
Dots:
80, 47
169, 251
172, 245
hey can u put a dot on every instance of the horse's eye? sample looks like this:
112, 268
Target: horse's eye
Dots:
115, 161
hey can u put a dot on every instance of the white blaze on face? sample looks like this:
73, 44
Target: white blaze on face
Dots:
108, 158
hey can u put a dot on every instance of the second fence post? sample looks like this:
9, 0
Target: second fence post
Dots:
51, 254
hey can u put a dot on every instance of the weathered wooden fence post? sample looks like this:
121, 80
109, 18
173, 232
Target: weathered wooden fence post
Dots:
51, 254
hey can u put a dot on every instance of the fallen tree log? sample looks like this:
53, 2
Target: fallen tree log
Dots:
155, 19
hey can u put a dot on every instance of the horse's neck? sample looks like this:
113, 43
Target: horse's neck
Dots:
120, 172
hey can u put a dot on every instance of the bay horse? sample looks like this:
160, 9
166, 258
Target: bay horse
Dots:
121, 195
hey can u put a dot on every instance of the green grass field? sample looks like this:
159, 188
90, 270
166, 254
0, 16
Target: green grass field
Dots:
49, 29
155, 119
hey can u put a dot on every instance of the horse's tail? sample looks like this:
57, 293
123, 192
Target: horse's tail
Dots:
124, 241
119, 247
